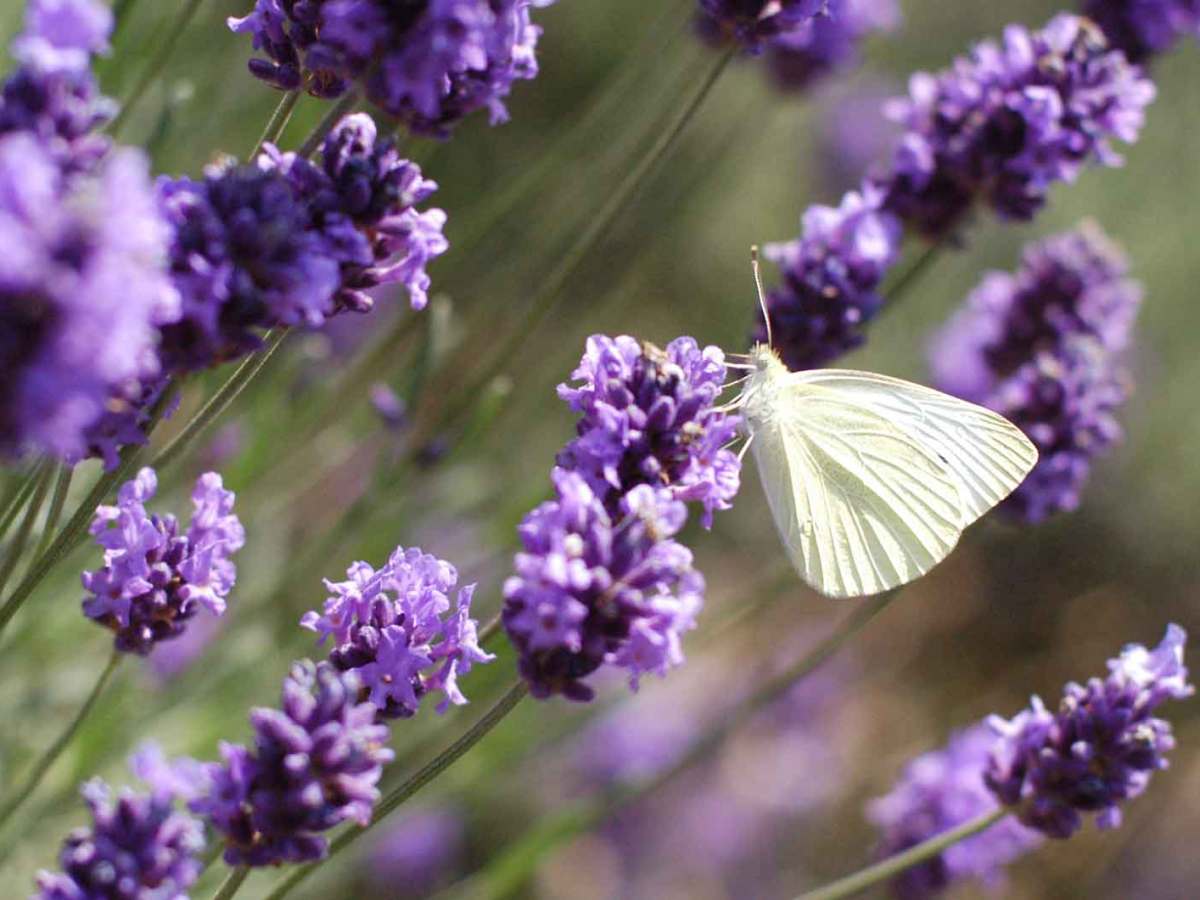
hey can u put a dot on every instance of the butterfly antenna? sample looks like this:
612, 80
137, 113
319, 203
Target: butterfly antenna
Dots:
762, 295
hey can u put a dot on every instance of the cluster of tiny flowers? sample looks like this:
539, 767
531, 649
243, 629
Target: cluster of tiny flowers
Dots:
430, 63
1043, 348
647, 416
285, 242
591, 588
139, 845
752, 24
82, 286
940, 791
155, 579
1098, 750
1008, 121
394, 629
1143, 29
829, 42
316, 762
831, 277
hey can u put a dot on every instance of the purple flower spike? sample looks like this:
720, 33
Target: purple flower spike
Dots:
1099, 749
828, 42
430, 64
1042, 347
648, 417
831, 279
1010, 120
752, 23
154, 580
138, 846
940, 791
1142, 29
590, 589
316, 762
395, 629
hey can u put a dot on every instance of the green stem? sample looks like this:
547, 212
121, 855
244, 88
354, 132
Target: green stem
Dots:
910, 275
73, 532
335, 115
60, 744
508, 870
277, 122
16, 547
230, 885
121, 11
62, 487
913, 856
548, 294
425, 775
19, 497
490, 630
220, 401
158, 62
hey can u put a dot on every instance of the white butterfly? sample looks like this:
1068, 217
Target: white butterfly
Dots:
872, 480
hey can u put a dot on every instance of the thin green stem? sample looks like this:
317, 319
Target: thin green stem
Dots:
231, 884
16, 547
913, 856
62, 487
277, 122
549, 293
335, 114
158, 62
894, 290
72, 533
509, 869
21, 496
426, 774
490, 630
121, 11
60, 744
219, 402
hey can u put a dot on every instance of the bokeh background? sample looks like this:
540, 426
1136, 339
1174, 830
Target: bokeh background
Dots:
1015, 611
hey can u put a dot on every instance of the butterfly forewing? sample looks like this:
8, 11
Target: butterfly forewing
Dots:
861, 504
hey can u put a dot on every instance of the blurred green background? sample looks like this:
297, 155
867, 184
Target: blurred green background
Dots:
1015, 610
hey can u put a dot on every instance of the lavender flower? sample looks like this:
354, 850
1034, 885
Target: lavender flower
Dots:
286, 242
430, 63
590, 589
1143, 29
137, 846
82, 291
1006, 122
416, 853
751, 23
52, 94
828, 42
940, 791
394, 628
154, 579
316, 762
1042, 346
831, 277
1100, 748
853, 137
647, 417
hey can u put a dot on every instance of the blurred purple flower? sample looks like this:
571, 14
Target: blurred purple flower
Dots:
854, 136
828, 42
138, 845
395, 629
1042, 347
752, 23
170, 659
1099, 749
413, 855
648, 417
82, 289
388, 405
940, 791
316, 762
154, 579
1143, 29
831, 277
430, 63
590, 589
64, 34
1008, 121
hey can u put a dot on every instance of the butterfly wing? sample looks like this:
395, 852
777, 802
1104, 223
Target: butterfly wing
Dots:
862, 506
988, 455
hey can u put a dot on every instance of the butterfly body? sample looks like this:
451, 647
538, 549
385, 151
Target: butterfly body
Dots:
870, 479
